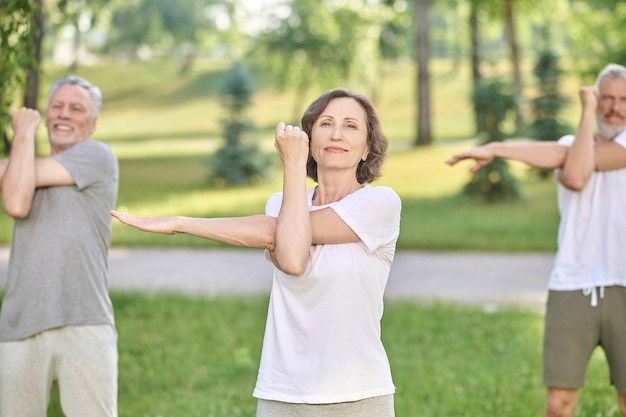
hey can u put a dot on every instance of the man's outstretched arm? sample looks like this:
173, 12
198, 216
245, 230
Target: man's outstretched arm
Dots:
543, 155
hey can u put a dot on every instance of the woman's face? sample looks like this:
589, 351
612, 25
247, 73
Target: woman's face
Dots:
339, 135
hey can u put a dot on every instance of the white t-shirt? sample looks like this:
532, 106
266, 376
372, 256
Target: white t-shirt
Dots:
592, 231
322, 339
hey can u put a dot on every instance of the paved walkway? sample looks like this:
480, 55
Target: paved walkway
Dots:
485, 279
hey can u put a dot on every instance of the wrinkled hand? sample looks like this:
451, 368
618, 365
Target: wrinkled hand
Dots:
291, 143
147, 224
25, 122
482, 155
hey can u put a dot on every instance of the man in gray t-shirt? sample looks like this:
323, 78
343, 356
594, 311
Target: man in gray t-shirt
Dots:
56, 319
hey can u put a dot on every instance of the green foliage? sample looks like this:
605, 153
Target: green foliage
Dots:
594, 34
319, 46
308, 38
165, 27
395, 34
163, 128
240, 160
493, 183
548, 106
15, 54
493, 102
84, 16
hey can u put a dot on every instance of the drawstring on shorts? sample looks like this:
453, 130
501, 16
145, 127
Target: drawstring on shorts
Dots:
594, 294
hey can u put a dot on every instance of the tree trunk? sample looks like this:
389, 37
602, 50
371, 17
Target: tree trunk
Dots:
421, 19
76, 45
6, 145
515, 62
31, 89
474, 42
475, 54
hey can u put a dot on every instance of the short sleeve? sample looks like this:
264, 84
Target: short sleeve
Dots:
566, 140
373, 213
273, 204
621, 139
89, 162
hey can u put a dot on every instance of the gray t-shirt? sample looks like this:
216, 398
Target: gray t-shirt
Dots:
58, 262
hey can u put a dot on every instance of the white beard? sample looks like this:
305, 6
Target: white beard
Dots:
609, 131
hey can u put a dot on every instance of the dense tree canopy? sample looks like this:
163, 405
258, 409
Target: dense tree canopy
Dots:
322, 43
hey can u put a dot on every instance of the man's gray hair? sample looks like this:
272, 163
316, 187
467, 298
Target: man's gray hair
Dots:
615, 70
94, 92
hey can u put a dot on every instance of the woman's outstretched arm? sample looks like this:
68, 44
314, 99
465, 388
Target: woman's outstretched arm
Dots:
256, 231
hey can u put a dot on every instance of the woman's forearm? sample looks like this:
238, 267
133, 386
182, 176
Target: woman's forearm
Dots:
252, 231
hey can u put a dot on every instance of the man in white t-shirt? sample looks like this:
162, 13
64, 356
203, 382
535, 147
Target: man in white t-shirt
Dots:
586, 304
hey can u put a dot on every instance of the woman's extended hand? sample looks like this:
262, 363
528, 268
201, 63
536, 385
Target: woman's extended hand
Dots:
147, 224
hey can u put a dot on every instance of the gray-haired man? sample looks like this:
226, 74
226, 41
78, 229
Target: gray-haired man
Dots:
586, 304
56, 319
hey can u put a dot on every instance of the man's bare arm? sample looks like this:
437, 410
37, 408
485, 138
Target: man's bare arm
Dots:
580, 162
18, 182
609, 155
543, 155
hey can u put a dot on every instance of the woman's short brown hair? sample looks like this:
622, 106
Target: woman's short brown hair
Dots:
377, 142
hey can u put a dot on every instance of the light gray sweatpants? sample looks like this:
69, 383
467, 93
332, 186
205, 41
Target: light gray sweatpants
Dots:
370, 407
83, 359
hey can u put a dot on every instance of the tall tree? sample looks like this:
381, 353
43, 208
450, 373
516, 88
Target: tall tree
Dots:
475, 52
394, 39
422, 25
313, 45
511, 32
35, 39
240, 160
82, 16
164, 26
594, 34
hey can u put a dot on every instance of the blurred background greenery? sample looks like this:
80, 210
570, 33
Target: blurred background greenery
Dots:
193, 89
165, 132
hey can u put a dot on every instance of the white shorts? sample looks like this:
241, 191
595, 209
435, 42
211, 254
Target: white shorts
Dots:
83, 359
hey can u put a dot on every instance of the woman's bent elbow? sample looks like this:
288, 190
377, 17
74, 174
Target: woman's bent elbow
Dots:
294, 268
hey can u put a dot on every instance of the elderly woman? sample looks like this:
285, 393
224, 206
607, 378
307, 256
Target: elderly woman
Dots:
332, 246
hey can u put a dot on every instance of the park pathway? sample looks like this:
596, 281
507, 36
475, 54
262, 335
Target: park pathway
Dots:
482, 279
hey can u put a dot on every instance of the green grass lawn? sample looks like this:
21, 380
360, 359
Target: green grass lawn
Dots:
182, 356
